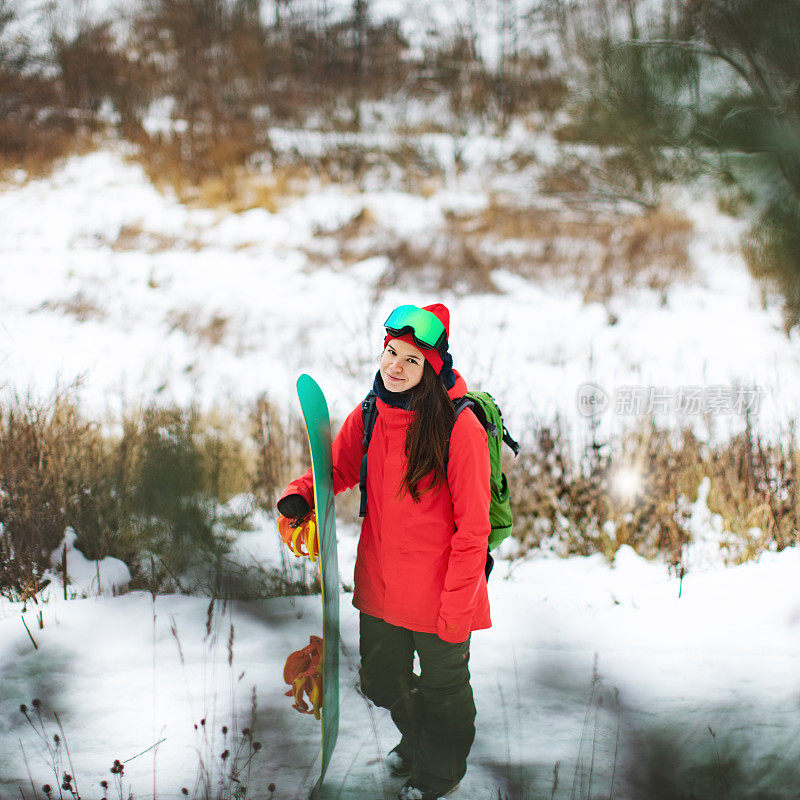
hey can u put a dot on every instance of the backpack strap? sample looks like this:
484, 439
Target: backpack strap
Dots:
465, 402
459, 404
510, 441
489, 427
369, 413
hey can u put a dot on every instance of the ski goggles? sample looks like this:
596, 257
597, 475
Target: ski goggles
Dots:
425, 327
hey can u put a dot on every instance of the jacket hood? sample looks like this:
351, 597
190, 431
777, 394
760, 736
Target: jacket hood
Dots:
459, 387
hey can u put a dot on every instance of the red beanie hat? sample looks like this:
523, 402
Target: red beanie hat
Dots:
433, 357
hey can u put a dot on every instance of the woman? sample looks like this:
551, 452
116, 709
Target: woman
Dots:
419, 576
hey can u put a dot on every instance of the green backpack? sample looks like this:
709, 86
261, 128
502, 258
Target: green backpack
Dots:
485, 408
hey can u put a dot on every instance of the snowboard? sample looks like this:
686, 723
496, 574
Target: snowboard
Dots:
318, 427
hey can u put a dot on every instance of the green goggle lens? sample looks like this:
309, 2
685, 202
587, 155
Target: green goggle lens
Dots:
425, 326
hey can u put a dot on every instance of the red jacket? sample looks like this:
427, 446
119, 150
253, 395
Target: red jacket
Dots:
420, 565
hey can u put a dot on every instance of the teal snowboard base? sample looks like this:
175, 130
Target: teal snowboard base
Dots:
318, 426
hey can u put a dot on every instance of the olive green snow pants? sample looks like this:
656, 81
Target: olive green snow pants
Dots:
434, 711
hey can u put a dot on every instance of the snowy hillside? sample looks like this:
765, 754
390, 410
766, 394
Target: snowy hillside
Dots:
106, 279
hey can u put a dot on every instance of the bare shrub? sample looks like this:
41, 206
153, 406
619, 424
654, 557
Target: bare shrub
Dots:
612, 175
209, 56
433, 263
574, 505
574, 500
50, 102
445, 263
35, 130
23, 92
522, 82
281, 448
46, 457
230, 76
755, 486
88, 63
647, 251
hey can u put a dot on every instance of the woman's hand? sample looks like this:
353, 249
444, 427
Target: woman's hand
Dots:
449, 631
293, 507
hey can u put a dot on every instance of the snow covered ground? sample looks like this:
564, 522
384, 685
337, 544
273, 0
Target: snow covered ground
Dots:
611, 670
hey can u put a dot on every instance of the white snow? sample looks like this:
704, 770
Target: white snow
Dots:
128, 672
86, 578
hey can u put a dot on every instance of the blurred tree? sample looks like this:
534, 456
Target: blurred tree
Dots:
210, 55
712, 84
33, 125
14, 49
283, 10
360, 43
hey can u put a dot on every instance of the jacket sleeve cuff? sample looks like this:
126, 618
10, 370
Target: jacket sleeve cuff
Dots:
452, 632
302, 486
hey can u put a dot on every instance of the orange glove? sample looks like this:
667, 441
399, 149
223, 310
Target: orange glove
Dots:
302, 673
299, 534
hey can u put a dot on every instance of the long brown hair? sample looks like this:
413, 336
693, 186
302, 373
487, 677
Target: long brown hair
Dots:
428, 436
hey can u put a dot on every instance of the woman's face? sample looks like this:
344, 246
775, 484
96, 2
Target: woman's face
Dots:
401, 366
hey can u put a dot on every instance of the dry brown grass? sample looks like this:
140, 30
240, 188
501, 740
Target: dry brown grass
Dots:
148, 493
208, 330
48, 456
281, 447
49, 101
755, 485
407, 165
80, 306
219, 183
434, 263
238, 190
134, 237
602, 254
229, 75
44, 149
575, 506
